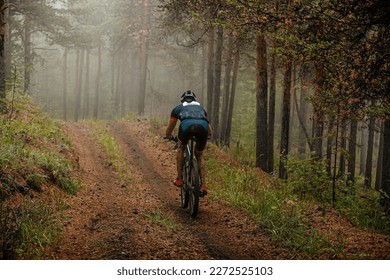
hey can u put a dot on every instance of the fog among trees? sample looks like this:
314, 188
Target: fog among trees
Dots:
278, 78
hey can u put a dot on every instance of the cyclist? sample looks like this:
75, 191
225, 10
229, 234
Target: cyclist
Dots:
193, 122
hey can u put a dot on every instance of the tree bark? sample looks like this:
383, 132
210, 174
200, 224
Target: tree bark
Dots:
217, 84
3, 104
363, 149
329, 146
210, 71
386, 166
76, 84
379, 167
271, 114
27, 54
352, 150
98, 78
302, 114
144, 57
284, 140
226, 92
318, 124
65, 86
262, 148
79, 86
232, 96
86, 89
370, 150
343, 147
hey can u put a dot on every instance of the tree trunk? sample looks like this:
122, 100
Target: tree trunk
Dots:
379, 168
119, 89
363, 150
98, 78
27, 54
329, 146
352, 150
370, 150
261, 104
318, 125
271, 114
8, 42
226, 92
232, 96
144, 57
123, 95
210, 71
284, 139
302, 114
217, 83
292, 108
343, 147
79, 86
86, 89
3, 104
65, 86
386, 166
76, 85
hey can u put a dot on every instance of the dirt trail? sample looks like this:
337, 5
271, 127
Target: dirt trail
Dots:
109, 221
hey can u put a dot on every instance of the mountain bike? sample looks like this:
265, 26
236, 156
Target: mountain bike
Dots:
191, 177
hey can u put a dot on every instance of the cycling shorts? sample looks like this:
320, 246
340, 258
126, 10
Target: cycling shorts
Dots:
194, 127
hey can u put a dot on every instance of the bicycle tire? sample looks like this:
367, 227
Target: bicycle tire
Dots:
194, 188
184, 189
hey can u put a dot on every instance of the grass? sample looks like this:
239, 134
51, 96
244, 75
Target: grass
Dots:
29, 228
33, 152
280, 207
103, 136
34, 156
275, 208
158, 218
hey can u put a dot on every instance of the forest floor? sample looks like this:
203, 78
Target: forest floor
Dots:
144, 220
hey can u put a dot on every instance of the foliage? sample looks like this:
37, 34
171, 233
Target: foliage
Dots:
308, 180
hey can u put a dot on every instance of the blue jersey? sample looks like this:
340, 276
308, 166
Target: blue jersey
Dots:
193, 122
189, 111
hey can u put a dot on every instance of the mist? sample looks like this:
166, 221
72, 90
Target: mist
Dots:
115, 57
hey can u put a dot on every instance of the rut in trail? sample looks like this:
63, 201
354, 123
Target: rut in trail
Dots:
106, 220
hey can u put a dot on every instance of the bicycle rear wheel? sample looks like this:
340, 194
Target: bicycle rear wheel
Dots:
184, 188
194, 189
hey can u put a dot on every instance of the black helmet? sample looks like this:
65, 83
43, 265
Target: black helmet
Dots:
188, 96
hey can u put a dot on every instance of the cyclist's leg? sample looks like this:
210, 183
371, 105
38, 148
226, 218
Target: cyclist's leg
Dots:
180, 162
183, 139
201, 140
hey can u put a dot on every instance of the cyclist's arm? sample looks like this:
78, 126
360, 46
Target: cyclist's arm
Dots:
171, 127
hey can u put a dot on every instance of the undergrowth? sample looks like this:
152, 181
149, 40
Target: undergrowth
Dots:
280, 207
275, 208
34, 156
309, 180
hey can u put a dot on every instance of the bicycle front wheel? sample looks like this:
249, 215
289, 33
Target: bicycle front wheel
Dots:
194, 189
